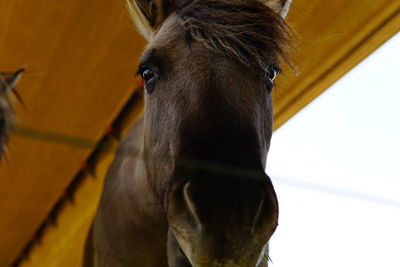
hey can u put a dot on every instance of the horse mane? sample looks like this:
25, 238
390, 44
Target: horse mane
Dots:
245, 30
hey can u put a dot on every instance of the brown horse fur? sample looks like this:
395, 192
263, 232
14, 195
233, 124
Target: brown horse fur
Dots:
196, 194
7, 82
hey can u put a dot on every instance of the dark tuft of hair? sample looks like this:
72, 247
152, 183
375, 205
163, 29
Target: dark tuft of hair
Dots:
245, 30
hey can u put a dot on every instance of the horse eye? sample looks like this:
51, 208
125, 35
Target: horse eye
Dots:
272, 72
149, 77
147, 74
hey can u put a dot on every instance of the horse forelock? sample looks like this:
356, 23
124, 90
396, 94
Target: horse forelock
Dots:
245, 30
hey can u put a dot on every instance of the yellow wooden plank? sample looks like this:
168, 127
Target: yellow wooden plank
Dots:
62, 244
80, 61
25, 195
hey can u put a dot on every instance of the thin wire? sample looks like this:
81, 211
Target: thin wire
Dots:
52, 137
208, 166
192, 163
337, 191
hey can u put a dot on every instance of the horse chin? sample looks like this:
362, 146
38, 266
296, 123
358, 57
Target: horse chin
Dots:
178, 258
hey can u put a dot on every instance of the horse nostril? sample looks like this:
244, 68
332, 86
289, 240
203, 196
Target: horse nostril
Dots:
181, 206
190, 204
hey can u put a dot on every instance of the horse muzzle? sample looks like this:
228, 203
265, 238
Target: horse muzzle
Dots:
220, 221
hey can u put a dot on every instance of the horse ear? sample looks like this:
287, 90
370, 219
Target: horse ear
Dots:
148, 15
279, 6
10, 79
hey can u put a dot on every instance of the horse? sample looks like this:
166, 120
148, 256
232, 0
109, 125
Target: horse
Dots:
8, 81
188, 185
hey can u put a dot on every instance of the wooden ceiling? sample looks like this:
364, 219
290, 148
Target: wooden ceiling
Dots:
81, 57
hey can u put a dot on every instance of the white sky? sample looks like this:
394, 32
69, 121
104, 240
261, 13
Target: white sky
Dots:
336, 170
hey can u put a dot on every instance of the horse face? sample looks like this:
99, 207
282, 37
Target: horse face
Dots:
208, 122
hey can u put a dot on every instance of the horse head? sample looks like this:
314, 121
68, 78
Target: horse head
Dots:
209, 70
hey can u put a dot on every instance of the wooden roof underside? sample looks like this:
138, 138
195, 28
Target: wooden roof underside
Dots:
81, 57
